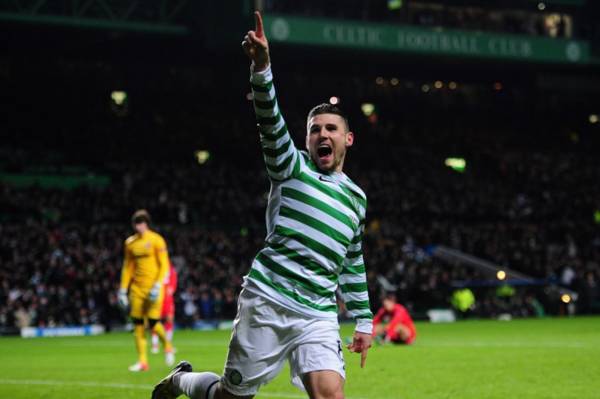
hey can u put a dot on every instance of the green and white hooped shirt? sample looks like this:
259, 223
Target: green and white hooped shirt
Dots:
315, 223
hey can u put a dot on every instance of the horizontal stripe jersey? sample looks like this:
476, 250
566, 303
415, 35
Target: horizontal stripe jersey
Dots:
315, 222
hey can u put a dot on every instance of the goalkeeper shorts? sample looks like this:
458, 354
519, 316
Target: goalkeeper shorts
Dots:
141, 307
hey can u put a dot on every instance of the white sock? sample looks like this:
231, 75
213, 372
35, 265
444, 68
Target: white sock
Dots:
154, 340
195, 385
169, 334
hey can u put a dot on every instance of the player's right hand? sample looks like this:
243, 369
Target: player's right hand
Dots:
256, 46
122, 298
361, 342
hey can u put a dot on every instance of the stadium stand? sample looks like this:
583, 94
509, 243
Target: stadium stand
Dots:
110, 123
525, 200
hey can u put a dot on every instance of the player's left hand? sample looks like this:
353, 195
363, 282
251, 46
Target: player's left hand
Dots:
361, 342
154, 292
256, 46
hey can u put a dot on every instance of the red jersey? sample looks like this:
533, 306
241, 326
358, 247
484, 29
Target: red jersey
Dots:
399, 315
170, 283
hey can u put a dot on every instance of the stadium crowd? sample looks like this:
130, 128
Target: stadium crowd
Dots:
526, 199
62, 250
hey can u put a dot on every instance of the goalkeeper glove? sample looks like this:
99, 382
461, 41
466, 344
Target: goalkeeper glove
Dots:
155, 292
123, 300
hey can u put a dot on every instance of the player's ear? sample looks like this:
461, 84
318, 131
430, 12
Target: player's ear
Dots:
349, 139
307, 136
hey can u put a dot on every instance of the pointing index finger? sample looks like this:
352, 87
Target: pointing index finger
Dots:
363, 357
259, 24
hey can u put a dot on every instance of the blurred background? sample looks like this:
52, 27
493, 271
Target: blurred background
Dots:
477, 138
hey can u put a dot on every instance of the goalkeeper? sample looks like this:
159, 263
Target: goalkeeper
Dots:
144, 269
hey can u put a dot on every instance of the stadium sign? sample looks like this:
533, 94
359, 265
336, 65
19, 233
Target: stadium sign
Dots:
78, 331
400, 38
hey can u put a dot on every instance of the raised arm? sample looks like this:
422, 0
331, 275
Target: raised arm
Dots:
281, 157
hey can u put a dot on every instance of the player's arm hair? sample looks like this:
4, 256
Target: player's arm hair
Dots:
281, 157
162, 257
353, 284
127, 270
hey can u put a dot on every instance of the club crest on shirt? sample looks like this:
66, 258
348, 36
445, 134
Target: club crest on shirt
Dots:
234, 377
148, 245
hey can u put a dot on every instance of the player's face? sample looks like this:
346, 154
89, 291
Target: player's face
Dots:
140, 228
388, 304
327, 139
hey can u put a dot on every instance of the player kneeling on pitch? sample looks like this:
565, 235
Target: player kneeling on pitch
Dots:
392, 323
287, 310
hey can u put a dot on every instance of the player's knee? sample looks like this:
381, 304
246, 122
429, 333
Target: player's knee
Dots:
403, 332
328, 391
137, 321
328, 394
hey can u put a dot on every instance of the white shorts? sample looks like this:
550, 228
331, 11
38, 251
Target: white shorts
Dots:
265, 335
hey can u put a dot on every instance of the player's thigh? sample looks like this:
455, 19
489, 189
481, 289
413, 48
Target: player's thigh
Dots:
319, 349
324, 384
136, 306
168, 309
403, 332
153, 310
258, 347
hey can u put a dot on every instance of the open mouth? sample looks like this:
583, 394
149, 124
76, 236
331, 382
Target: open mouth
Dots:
324, 150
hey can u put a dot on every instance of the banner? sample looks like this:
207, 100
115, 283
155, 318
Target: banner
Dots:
38, 332
427, 41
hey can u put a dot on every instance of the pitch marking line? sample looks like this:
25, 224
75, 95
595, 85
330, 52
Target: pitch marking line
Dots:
120, 343
457, 344
92, 384
476, 344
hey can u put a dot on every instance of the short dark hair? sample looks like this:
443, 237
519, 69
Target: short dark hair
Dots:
391, 295
327, 108
140, 216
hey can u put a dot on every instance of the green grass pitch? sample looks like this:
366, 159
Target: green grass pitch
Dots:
547, 358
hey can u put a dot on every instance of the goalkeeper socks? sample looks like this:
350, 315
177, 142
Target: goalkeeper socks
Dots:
160, 331
139, 332
196, 385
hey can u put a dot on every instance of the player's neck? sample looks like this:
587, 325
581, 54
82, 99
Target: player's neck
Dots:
340, 166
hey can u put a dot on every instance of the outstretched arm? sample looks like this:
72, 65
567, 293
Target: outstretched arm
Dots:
281, 157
